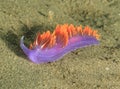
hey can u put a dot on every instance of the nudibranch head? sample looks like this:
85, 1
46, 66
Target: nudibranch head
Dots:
49, 47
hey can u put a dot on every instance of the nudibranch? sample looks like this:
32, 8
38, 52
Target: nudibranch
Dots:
49, 47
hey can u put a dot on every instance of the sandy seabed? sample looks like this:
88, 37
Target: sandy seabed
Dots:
94, 67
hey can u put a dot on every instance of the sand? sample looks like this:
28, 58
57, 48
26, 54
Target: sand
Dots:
94, 67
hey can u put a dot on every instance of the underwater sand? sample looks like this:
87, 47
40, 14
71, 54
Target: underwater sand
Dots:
94, 67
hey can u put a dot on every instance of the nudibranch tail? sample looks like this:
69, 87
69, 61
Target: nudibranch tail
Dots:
49, 47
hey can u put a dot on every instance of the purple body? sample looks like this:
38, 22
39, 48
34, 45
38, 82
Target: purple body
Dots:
38, 55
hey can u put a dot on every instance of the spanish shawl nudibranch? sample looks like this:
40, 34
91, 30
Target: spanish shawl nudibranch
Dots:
49, 47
